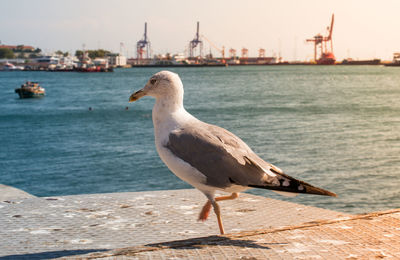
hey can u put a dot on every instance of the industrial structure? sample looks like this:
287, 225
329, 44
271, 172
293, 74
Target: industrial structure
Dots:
232, 53
245, 53
261, 53
220, 50
321, 43
143, 47
196, 43
195, 55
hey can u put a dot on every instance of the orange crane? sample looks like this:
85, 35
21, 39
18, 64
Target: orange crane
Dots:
222, 50
326, 57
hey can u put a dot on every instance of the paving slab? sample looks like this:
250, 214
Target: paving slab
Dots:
50, 227
370, 236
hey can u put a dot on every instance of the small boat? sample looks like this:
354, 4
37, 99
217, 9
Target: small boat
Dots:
30, 90
11, 67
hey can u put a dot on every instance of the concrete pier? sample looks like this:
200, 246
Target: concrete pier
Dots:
11, 193
163, 225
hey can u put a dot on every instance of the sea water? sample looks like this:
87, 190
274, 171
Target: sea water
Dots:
337, 127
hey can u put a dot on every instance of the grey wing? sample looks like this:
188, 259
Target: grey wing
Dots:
226, 160
220, 155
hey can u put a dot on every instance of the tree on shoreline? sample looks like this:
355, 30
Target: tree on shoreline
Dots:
79, 53
6, 53
100, 53
59, 52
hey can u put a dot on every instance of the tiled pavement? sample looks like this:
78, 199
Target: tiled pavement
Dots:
68, 226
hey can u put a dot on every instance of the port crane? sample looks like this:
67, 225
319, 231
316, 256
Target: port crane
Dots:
326, 57
196, 42
143, 46
221, 50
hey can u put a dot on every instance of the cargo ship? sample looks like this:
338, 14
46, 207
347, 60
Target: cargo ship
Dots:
361, 62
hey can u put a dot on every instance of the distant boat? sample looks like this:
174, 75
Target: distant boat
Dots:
88, 65
30, 90
361, 62
11, 67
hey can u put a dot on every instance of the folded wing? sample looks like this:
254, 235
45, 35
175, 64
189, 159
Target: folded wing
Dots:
226, 160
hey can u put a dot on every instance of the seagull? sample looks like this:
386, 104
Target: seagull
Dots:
206, 156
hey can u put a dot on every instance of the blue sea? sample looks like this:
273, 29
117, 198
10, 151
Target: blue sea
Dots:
337, 127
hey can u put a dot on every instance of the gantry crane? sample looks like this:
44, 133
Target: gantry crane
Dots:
326, 56
143, 46
196, 42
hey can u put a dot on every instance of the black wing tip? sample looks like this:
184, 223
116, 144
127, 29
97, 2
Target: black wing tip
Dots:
308, 190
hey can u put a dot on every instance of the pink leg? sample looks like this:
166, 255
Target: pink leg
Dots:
205, 212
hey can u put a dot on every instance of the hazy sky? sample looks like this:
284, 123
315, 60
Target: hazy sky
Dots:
363, 29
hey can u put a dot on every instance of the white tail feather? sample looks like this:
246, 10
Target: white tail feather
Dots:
286, 194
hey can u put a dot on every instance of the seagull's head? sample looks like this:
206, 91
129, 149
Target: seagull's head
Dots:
164, 84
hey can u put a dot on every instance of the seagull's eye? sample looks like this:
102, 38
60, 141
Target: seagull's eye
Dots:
152, 81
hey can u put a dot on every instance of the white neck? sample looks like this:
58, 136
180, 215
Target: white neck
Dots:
168, 114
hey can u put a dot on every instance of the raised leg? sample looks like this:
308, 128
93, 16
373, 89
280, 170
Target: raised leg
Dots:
205, 211
230, 197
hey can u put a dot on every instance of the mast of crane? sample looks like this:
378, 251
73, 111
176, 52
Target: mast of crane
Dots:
143, 46
197, 32
330, 29
196, 42
145, 31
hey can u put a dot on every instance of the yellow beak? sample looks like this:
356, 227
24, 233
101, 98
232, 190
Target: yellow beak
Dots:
137, 95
